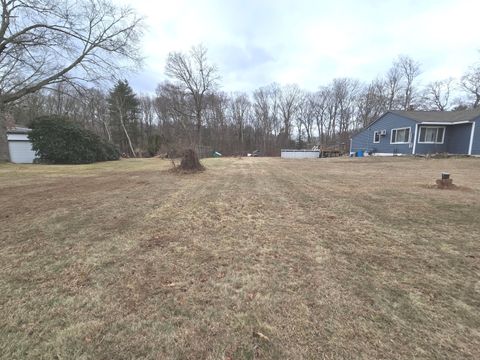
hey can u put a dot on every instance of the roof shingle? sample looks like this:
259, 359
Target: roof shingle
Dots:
439, 116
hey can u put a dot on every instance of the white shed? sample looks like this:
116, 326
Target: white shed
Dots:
300, 154
19, 146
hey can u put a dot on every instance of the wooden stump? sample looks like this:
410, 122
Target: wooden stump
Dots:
190, 162
445, 183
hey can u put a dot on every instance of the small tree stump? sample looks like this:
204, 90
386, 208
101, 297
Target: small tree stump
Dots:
445, 183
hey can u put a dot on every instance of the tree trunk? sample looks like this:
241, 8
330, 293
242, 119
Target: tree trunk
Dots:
4, 153
107, 130
198, 138
128, 137
309, 134
242, 147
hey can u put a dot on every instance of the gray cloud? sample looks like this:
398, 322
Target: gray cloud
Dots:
235, 58
310, 42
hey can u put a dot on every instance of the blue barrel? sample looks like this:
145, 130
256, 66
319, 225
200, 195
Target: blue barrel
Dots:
360, 153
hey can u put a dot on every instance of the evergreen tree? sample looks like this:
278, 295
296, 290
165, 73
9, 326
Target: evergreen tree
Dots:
124, 117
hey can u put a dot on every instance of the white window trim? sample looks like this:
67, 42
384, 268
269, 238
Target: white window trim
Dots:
403, 128
432, 127
374, 133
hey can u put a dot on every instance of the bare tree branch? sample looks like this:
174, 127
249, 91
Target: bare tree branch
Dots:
52, 40
196, 77
44, 42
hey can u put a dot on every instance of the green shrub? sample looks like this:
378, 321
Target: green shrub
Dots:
57, 140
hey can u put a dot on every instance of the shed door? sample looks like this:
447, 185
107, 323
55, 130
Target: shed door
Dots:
21, 152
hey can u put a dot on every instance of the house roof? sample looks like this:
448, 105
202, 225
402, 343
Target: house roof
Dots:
439, 116
18, 130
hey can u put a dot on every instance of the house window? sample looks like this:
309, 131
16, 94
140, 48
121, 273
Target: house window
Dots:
431, 135
400, 136
376, 137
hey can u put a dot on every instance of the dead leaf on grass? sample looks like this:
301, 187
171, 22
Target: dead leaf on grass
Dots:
258, 334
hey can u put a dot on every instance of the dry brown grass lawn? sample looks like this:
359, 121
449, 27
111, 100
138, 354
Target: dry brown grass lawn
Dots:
254, 258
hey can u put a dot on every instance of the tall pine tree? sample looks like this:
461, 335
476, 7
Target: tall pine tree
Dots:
124, 113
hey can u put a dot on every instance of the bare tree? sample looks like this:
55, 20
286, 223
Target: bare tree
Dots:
275, 94
345, 91
319, 109
306, 114
411, 70
148, 117
240, 109
96, 106
394, 85
470, 83
176, 113
216, 120
119, 105
196, 77
46, 42
261, 106
372, 102
437, 94
289, 105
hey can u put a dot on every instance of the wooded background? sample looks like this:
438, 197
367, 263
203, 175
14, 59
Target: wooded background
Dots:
58, 61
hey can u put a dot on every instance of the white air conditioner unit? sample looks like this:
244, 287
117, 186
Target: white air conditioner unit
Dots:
383, 132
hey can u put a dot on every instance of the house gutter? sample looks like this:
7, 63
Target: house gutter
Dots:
444, 123
472, 133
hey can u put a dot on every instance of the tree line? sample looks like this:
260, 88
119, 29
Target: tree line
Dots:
190, 108
53, 61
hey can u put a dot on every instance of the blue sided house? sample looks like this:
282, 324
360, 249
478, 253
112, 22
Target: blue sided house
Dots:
420, 132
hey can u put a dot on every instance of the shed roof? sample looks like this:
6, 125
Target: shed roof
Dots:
18, 130
439, 116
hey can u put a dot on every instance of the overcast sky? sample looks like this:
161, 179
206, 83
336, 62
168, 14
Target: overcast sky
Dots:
256, 42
